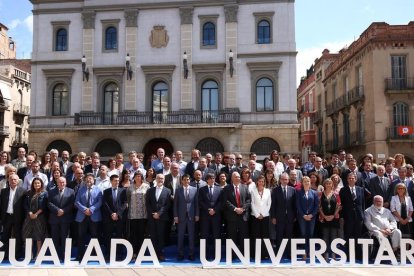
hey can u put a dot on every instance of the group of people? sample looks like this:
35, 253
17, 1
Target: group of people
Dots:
208, 197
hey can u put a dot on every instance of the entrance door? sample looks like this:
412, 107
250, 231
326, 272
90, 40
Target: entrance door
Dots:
151, 147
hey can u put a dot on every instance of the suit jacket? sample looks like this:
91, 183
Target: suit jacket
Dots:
216, 168
366, 178
231, 203
109, 206
186, 208
18, 209
160, 206
281, 207
307, 206
375, 188
21, 173
66, 203
95, 203
299, 174
344, 177
206, 201
352, 210
201, 183
168, 182
189, 169
68, 168
205, 172
255, 175
323, 173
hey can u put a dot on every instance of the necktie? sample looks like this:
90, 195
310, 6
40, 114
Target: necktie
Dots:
237, 197
211, 191
94, 172
284, 193
60, 194
114, 195
382, 183
353, 193
88, 203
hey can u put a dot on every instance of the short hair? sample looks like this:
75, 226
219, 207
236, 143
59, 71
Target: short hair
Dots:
210, 176
185, 176
88, 174
113, 176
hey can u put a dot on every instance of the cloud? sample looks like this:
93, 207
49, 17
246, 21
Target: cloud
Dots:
27, 22
306, 57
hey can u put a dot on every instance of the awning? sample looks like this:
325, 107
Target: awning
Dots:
5, 91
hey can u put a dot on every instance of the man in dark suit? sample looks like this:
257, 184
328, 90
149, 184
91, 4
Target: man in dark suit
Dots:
367, 174
237, 210
94, 167
319, 169
12, 214
283, 211
353, 207
89, 202
65, 164
254, 174
60, 203
217, 165
173, 179
198, 182
158, 202
402, 178
70, 173
210, 199
352, 167
193, 165
186, 213
114, 208
203, 168
380, 185
22, 172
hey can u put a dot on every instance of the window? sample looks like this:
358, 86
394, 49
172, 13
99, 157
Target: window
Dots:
209, 145
398, 72
335, 134
346, 136
209, 34
60, 100
400, 114
18, 135
264, 95
111, 38
60, 145
264, 146
108, 147
159, 101
61, 40
209, 101
310, 101
263, 32
208, 31
111, 103
361, 126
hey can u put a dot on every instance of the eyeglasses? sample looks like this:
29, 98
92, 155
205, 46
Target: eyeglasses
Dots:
239, 158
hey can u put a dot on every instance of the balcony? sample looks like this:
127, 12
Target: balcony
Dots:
399, 85
22, 110
4, 131
169, 117
350, 97
355, 94
393, 134
317, 118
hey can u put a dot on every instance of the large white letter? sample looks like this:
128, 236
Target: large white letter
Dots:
93, 244
27, 254
68, 254
365, 249
385, 246
407, 253
47, 244
217, 256
129, 250
147, 244
275, 259
232, 247
351, 252
317, 253
337, 251
295, 251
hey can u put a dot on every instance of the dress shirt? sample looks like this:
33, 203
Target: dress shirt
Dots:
27, 183
182, 165
103, 184
158, 192
377, 219
11, 199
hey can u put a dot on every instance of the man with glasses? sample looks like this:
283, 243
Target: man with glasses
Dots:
253, 156
309, 165
409, 171
319, 169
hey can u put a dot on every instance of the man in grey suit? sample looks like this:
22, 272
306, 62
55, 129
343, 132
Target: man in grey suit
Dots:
254, 174
186, 213
380, 185
198, 182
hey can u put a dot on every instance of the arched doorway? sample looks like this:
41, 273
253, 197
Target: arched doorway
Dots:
151, 148
264, 146
209, 145
108, 147
60, 145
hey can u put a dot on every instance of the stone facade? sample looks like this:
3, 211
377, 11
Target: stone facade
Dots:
163, 105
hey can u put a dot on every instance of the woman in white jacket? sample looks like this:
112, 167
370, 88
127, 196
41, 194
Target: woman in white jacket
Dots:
260, 208
402, 209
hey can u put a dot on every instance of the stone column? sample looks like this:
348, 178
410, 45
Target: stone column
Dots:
186, 14
230, 12
88, 17
131, 32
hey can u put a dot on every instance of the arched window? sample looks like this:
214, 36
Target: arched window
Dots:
209, 34
111, 42
60, 104
159, 101
111, 102
263, 32
61, 40
108, 147
264, 146
209, 96
209, 145
60, 145
264, 95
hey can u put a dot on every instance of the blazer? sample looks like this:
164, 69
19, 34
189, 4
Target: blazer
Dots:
18, 199
352, 210
160, 206
395, 205
41, 202
68, 168
109, 206
260, 204
366, 178
168, 183
307, 206
231, 203
299, 174
95, 203
282, 208
206, 201
216, 168
201, 183
375, 188
183, 208
323, 173
189, 169
21, 173
344, 177
66, 203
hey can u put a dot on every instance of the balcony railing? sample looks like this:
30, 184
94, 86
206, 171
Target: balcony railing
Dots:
394, 134
399, 84
354, 95
21, 109
4, 131
168, 117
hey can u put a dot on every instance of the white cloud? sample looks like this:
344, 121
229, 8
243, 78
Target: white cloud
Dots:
14, 23
27, 22
306, 57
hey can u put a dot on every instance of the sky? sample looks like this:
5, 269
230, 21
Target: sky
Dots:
320, 24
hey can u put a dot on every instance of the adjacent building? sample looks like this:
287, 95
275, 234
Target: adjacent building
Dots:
365, 103
137, 75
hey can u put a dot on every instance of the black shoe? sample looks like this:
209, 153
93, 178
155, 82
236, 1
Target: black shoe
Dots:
161, 258
180, 257
191, 258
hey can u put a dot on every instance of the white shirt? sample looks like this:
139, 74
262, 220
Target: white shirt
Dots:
27, 183
376, 220
103, 184
182, 165
158, 191
11, 199
260, 204
175, 180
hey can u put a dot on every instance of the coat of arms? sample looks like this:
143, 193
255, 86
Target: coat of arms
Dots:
159, 37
